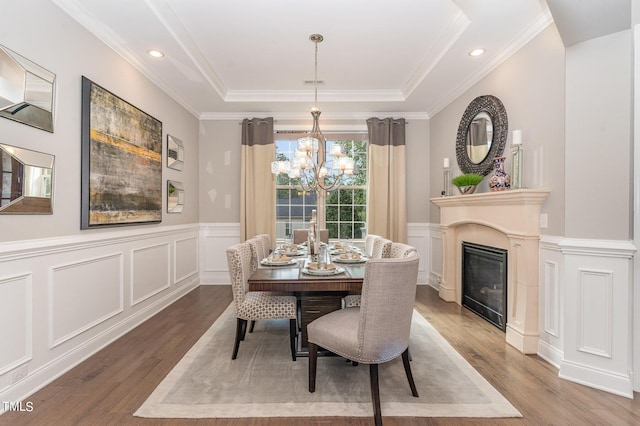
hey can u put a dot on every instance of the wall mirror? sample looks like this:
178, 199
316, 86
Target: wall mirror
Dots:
482, 135
175, 196
175, 153
26, 91
27, 181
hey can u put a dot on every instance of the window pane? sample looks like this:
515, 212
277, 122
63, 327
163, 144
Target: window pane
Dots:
345, 208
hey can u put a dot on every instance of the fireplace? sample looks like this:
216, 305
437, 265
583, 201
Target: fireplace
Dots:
484, 282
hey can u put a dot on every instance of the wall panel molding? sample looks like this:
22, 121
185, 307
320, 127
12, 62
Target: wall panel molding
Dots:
16, 313
185, 258
81, 281
595, 312
147, 277
418, 236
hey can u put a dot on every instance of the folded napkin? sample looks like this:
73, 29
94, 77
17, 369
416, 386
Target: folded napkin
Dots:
282, 259
354, 256
314, 265
337, 245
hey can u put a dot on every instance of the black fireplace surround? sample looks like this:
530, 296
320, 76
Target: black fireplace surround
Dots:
484, 282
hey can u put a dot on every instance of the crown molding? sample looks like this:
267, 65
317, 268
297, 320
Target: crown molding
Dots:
436, 52
300, 116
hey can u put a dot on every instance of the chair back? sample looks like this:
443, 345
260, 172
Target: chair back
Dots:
400, 250
386, 308
381, 248
368, 244
266, 244
300, 236
257, 254
240, 268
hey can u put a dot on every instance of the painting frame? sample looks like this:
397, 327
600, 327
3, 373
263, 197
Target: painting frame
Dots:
121, 182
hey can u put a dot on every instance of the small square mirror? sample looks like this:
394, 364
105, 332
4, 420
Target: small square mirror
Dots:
175, 153
175, 196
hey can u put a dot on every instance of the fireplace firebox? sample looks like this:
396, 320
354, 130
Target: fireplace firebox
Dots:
484, 282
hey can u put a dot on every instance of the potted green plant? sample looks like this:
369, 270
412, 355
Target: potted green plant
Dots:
467, 182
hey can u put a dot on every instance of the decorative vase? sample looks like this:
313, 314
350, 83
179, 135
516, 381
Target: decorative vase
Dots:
500, 179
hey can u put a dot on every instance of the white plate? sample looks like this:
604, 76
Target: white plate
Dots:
271, 263
322, 272
362, 259
296, 253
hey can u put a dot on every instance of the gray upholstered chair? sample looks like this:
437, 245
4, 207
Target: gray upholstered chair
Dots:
381, 248
256, 305
376, 332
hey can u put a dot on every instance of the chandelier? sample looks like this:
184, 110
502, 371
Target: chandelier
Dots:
309, 167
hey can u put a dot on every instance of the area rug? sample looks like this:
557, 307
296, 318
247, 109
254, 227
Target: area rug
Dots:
264, 382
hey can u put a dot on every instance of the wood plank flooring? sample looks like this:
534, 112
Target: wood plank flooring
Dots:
108, 387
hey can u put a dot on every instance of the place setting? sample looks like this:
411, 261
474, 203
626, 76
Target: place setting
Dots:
278, 259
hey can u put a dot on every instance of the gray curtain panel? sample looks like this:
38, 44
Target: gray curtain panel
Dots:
257, 183
387, 203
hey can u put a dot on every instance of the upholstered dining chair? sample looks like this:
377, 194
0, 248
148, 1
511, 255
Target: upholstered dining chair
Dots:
256, 305
378, 331
368, 244
381, 248
399, 250
266, 244
300, 236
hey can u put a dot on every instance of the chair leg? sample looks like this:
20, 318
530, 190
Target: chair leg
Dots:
407, 370
313, 361
293, 332
244, 330
251, 325
240, 324
375, 394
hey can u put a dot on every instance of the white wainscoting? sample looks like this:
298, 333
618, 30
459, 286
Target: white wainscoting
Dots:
63, 299
598, 314
435, 256
551, 310
418, 236
215, 238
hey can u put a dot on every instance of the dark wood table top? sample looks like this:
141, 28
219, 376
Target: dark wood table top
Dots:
291, 278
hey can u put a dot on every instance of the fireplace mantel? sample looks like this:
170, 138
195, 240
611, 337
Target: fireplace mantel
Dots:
505, 219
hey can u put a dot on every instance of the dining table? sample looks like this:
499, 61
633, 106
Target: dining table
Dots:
317, 295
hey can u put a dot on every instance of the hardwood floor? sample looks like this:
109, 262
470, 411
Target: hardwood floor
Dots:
108, 387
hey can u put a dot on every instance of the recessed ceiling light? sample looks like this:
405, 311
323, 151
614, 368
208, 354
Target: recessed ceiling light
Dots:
155, 53
476, 52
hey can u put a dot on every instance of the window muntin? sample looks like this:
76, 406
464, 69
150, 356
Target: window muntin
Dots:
345, 208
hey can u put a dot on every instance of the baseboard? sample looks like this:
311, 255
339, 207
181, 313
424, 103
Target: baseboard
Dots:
550, 354
596, 378
22, 389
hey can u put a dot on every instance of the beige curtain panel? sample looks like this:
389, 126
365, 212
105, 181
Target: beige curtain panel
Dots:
257, 184
387, 203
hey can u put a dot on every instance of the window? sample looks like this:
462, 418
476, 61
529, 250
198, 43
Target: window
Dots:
345, 208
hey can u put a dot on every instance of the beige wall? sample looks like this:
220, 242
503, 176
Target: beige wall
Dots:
531, 86
75, 53
598, 138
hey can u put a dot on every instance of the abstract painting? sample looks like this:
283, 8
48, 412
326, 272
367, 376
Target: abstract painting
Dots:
121, 161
